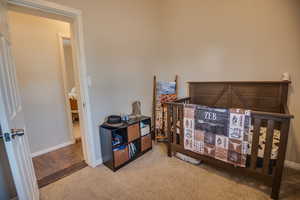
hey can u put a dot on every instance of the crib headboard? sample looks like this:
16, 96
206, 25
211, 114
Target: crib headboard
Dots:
263, 96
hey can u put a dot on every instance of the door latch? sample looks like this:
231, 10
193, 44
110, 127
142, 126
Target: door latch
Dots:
17, 132
12, 134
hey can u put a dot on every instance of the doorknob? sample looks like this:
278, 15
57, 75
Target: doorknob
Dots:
12, 134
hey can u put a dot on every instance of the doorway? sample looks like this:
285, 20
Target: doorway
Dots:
70, 83
12, 120
50, 120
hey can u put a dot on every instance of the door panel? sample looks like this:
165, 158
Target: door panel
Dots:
6, 81
3, 19
11, 117
7, 187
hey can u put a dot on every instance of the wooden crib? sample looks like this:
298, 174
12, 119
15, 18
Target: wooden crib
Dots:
268, 102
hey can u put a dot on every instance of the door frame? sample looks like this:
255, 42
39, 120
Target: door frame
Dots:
80, 64
61, 38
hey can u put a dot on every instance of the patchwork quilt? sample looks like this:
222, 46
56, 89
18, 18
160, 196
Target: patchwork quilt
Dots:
218, 133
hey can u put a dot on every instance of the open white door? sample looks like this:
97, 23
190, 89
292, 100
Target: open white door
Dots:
11, 119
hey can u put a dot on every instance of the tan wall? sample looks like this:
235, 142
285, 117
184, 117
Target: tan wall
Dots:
121, 38
210, 40
70, 75
36, 51
127, 41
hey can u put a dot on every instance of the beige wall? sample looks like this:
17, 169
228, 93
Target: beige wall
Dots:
121, 38
70, 75
210, 40
36, 51
127, 41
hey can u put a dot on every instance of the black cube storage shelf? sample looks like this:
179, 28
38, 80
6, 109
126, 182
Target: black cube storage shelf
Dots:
121, 145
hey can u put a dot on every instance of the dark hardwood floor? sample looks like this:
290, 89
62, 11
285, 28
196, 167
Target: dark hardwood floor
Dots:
55, 165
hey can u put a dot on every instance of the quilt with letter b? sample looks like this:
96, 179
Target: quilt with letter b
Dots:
218, 133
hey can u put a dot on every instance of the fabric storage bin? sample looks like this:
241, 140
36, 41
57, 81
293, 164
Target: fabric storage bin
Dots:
133, 132
146, 142
121, 155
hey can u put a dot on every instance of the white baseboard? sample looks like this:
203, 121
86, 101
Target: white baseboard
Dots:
38, 153
292, 165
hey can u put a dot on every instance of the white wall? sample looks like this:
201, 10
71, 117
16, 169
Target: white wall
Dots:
36, 51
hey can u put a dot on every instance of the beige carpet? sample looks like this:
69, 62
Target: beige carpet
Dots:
156, 176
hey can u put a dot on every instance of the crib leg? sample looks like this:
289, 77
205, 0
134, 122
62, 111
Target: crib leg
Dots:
276, 187
169, 149
277, 177
275, 193
280, 160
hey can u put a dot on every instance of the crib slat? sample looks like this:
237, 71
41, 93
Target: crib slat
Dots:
169, 130
174, 121
174, 129
181, 116
255, 142
268, 146
169, 126
177, 118
163, 131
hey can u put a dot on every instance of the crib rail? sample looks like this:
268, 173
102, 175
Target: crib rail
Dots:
270, 172
183, 100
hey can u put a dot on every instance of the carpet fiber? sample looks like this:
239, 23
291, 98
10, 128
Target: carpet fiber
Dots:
156, 176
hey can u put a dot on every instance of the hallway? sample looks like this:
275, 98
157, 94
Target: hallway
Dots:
55, 165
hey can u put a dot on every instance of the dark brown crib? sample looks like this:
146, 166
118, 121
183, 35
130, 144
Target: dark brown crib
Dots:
268, 102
